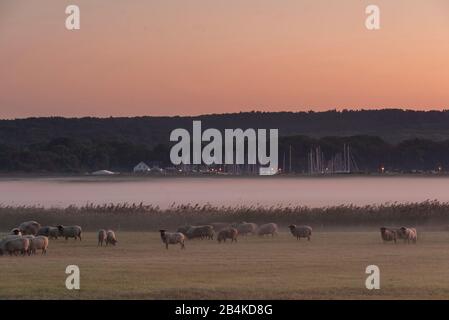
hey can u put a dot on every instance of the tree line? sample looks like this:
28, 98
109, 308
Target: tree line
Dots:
81, 155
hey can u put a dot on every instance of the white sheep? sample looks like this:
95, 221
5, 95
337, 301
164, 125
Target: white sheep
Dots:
6, 239
267, 229
15, 246
409, 234
101, 237
172, 238
29, 227
300, 231
111, 238
245, 228
38, 243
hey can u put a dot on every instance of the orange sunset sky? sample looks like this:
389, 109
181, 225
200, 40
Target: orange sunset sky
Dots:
170, 57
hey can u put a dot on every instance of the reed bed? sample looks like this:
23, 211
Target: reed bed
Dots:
137, 217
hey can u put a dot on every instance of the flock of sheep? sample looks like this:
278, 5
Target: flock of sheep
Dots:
30, 236
409, 235
226, 231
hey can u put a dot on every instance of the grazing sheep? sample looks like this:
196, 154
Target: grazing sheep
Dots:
245, 228
266, 229
220, 226
48, 231
409, 234
172, 238
29, 227
200, 232
300, 231
230, 233
110, 238
6, 239
70, 232
38, 243
15, 246
388, 234
15, 231
101, 237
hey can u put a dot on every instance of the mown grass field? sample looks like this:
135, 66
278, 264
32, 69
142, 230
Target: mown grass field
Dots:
331, 266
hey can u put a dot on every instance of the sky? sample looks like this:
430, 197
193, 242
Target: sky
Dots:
177, 57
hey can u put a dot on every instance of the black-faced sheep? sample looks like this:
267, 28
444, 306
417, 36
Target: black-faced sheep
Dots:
409, 234
388, 234
15, 231
172, 238
70, 232
300, 231
229, 233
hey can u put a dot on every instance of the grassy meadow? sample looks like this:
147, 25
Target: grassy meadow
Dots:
331, 266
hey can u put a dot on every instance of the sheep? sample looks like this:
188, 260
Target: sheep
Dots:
15, 231
110, 238
245, 228
70, 232
300, 231
200, 232
388, 234
48, 231
229, 233
6, 239
101, 237
29, 227
409, 234
15, 246
38, 243
172, 238
269, 228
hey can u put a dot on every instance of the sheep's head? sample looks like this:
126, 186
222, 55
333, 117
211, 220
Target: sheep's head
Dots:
16, 231
383, 229
60, 229
403, 229
292, 227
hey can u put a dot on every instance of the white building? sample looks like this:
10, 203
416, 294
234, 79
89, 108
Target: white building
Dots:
141, 167
103, 173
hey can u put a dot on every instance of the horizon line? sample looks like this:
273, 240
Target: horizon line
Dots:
336, 110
